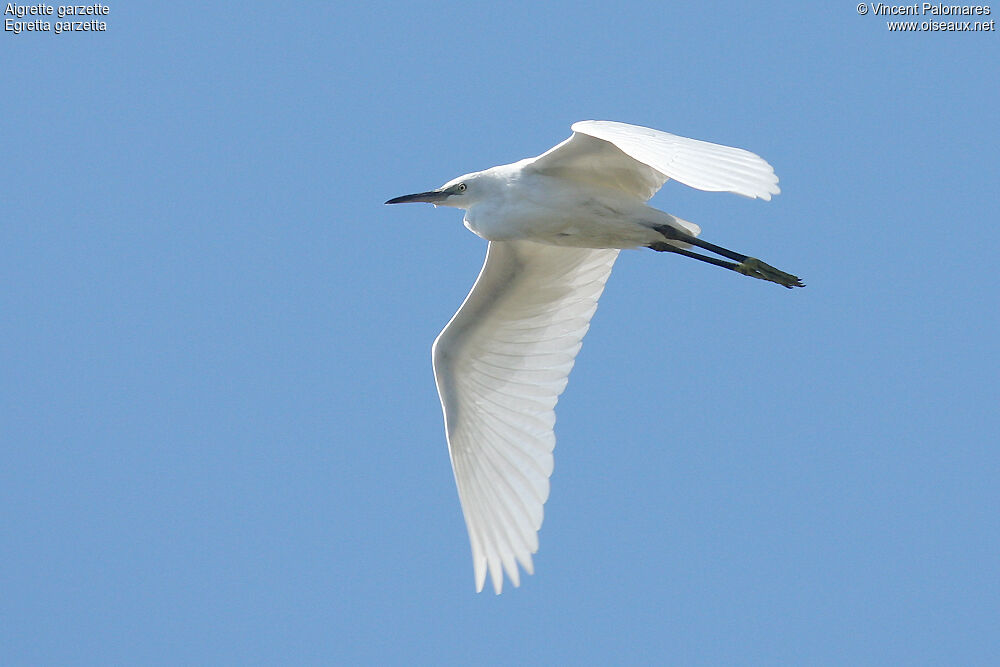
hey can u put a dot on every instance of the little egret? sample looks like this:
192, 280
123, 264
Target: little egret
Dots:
555, 224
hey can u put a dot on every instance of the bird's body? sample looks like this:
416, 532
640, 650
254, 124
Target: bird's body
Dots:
531, 206
555, 224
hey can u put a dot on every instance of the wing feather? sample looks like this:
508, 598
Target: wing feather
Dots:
639, 160
500, 366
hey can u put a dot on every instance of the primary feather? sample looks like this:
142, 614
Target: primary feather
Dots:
639, 160
500, 365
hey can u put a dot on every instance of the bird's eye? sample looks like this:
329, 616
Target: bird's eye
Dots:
461, 187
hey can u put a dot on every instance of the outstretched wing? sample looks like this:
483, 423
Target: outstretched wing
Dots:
639, 160
500, 366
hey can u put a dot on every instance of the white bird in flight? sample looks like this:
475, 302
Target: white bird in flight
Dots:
555, 224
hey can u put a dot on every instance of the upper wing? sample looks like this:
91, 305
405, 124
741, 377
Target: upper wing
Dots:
639, 160
500, 366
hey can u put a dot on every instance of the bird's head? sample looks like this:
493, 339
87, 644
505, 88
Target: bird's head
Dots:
461, 192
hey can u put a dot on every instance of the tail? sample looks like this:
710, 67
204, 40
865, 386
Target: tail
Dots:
664, 225
689, 227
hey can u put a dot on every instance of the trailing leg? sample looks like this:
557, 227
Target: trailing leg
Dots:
748, 266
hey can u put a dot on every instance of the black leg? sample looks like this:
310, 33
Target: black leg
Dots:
748, 266
675, 234
666, 247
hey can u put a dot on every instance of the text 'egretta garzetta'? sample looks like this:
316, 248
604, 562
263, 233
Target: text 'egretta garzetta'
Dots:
555, 224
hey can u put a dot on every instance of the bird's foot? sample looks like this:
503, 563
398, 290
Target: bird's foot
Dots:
755, 268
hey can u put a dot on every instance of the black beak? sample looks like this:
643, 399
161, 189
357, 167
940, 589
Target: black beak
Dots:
432, 197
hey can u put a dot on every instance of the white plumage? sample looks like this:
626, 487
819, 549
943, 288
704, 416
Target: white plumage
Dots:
555, 225
500, 365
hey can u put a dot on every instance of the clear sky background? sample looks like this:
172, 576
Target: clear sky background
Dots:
221, 441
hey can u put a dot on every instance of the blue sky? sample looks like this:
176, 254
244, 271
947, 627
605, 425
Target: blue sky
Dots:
221, 439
